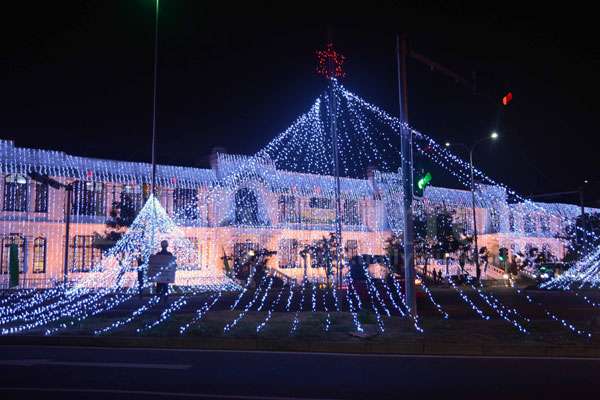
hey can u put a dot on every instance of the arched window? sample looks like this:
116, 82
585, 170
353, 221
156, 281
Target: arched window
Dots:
39, 255
88, 198
246, 207
15, 193
41, 197
494, 220
185, 203
7, 241
528, 224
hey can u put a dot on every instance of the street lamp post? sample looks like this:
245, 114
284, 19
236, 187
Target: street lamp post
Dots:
471, 149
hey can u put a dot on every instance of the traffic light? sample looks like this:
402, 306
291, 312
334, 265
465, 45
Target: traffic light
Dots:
420, 182
507, 98
503, 254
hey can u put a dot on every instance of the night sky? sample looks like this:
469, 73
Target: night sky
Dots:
77, 77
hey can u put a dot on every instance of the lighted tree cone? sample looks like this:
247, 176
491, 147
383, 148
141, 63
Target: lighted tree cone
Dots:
151, 226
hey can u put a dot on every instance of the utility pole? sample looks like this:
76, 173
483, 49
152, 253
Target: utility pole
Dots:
338, 203
476, 252
407, 184
154, 99
330, 66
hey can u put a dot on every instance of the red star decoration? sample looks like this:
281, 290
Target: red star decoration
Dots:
330, 62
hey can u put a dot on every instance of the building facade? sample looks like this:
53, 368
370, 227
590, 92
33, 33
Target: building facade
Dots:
240, 203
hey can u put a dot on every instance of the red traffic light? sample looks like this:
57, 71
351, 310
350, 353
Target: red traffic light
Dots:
507, 99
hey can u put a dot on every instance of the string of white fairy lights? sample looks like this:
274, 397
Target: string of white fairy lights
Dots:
304, 148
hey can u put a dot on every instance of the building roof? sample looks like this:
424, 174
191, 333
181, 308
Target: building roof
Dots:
231, 169
56, 163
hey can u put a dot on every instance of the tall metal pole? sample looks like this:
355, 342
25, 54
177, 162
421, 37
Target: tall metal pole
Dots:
69, 191
338, 203
476, 252
154, 100
407, 184
331, 73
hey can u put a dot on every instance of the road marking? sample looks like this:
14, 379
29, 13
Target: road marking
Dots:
33, 362
22, 363
374, 355
164, 394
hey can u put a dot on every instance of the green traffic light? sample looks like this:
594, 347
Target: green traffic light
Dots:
424, 181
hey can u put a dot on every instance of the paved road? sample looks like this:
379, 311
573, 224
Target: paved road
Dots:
29, 372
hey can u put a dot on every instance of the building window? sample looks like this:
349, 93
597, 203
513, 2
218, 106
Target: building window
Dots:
511, 221
130, 202
7, 242
351, 215
544, 223
351, 248
288, 211
320, 210
15, 193
528, 224
83, 255
88, 198
39, 255
41, 197
246, 207
320, 202
288, 253
494, 220
185, 203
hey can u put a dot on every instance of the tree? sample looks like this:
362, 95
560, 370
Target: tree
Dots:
447, 241
446, 238
323, 252
260, 259
254, 263
121, 216
580, 243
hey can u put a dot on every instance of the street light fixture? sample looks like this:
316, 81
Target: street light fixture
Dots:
471, 149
